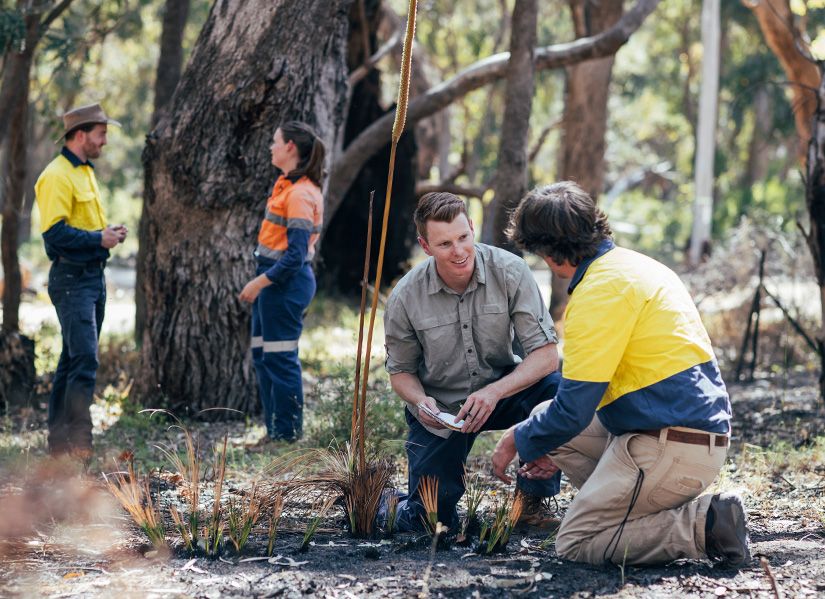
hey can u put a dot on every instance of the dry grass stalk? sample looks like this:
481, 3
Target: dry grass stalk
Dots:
136, 499
357, 409
275, 511
320, 509
213, 530
188, 526
425, 588
242, 515
428, 491
398, 128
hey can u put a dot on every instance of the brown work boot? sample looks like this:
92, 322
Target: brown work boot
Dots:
536, 515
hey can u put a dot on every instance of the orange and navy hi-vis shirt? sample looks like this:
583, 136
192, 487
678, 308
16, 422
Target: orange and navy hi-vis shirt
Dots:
290, 228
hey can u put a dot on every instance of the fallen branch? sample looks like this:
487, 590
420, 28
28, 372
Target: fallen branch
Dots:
767, 568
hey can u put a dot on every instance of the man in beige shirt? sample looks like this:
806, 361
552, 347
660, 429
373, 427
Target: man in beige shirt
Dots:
451, 324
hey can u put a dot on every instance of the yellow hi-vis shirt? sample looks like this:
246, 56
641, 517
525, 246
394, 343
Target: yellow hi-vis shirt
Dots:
69, 193
636, 354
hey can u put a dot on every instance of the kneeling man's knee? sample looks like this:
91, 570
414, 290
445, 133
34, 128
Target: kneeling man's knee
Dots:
541, 407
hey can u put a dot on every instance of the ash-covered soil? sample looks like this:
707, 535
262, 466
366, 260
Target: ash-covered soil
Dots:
103, 555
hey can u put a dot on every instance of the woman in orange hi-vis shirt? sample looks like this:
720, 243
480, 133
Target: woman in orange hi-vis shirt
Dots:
285, 283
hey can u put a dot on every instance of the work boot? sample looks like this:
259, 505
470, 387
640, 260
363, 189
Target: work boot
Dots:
726, 535
536, 515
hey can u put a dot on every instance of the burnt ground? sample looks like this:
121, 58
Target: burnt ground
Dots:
86, 547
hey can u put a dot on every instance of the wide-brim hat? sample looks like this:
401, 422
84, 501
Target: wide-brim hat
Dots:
85, 115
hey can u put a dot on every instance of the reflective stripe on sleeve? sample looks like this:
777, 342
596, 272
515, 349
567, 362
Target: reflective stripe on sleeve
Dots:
257, 342
299, 223
269, 253
279, 346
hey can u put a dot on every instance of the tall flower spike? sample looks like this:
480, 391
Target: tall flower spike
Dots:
406, 67
400, 118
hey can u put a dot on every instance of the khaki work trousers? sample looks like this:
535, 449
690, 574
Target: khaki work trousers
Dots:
666, 522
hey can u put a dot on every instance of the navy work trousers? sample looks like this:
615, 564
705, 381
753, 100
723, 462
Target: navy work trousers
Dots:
431, 455
78, 294
277, 321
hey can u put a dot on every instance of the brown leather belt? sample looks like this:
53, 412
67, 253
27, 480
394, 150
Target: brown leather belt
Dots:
691, 438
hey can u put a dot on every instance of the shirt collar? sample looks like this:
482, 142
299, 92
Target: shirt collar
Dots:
605, 246
72, 157
436, 284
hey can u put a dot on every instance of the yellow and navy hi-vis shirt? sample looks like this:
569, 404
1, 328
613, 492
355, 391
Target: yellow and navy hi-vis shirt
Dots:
71, 217
291, 227
636, 352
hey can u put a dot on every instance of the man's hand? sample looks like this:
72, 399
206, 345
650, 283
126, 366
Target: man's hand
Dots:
251, 290
110, 237
122, 231
426, 418
477, 409
503, 454
541, 468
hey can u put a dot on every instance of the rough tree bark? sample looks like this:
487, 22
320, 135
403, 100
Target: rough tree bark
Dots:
584, 120
511, 174
19, 68
208, 174
170, 63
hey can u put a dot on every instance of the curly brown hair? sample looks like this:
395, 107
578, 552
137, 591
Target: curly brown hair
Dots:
559, 221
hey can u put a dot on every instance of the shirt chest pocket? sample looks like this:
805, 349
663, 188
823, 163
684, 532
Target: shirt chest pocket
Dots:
440, 338
493, 330
85, 211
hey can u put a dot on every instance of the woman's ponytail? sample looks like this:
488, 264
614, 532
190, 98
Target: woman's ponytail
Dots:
311, 151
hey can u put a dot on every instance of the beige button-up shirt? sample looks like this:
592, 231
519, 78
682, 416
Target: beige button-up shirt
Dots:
456, 344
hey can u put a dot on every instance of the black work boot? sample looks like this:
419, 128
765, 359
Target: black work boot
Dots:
536, 516
726, 535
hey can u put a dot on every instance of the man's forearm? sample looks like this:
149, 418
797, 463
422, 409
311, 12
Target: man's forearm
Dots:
408, 387
535, 366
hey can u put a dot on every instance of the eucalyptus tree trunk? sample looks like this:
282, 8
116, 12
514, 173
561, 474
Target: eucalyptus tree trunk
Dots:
208, 175
706, 134
511, 174
170, 63
584, 121
16, 77
815, 200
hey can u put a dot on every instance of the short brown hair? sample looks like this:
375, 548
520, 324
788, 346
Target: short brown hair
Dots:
86, 127
440, 206
559, 221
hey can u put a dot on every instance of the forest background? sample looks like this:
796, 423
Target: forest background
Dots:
198, 111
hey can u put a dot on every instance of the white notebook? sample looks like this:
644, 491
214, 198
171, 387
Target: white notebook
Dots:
445, 418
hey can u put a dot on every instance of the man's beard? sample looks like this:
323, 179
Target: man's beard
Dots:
92, 151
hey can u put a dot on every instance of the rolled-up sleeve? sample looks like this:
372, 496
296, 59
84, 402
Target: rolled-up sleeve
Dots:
531, 320
404, 351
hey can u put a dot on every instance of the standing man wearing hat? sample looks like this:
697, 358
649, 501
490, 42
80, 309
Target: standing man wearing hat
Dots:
77, 239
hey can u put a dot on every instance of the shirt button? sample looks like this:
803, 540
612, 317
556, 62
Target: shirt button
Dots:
475, 373
541, 320
465, 326
469, 351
